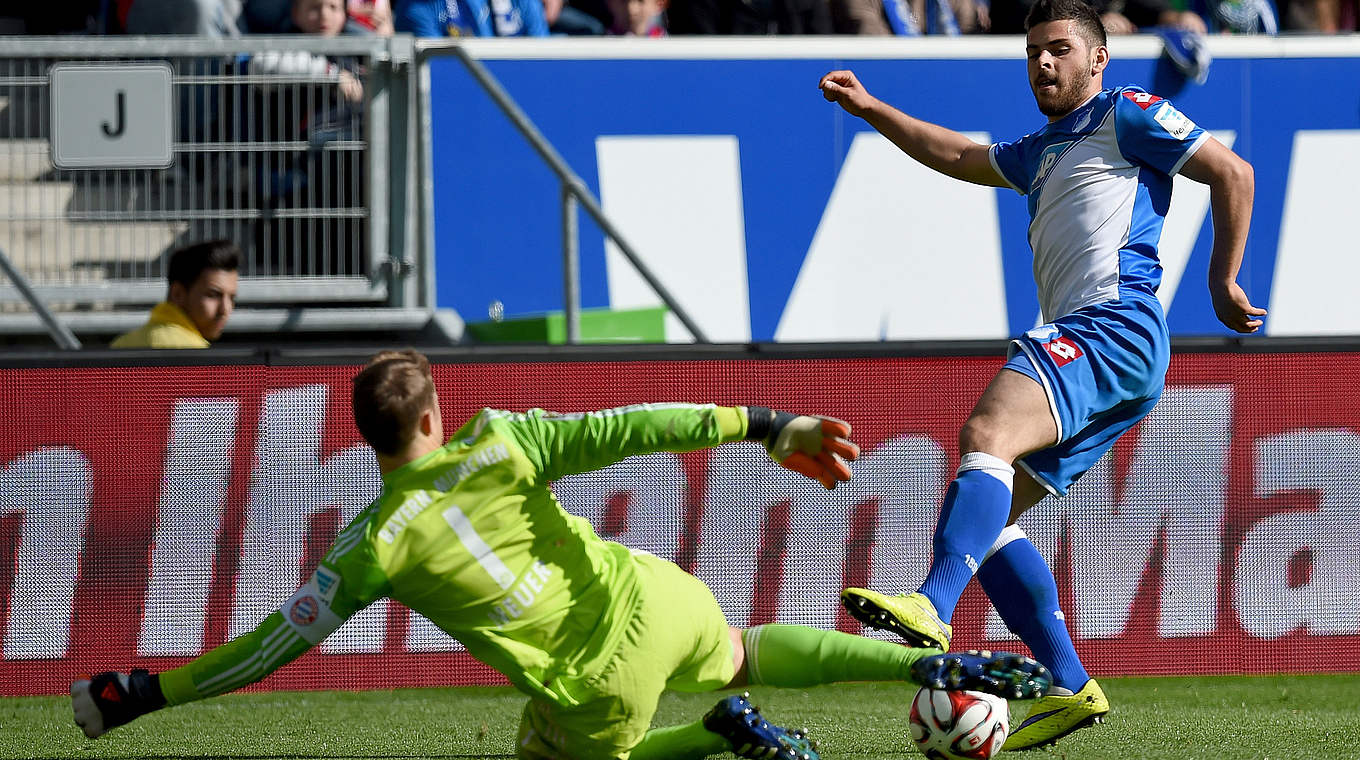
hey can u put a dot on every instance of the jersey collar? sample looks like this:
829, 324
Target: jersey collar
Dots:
167, 313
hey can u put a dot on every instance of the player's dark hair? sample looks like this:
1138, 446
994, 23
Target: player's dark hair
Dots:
187, 263
389, 395
1088, 21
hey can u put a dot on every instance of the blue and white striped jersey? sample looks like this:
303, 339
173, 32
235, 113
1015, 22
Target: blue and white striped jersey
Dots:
1099, 185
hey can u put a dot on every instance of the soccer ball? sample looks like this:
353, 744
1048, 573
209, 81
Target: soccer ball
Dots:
954, 725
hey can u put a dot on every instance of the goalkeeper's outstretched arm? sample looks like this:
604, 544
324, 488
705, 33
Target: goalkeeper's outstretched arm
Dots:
111, 699
305, 619
565, 444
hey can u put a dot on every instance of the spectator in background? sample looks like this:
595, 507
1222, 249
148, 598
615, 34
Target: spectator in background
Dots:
906, 17
471, 18
757, 17
859, 17
374, 15
578, 17
1319, 16
201, 297
268, 16
209, 18
1118, 16
1132, 16
639, 18
1243, 16
324, 18
277, 17
67, 17
974, 16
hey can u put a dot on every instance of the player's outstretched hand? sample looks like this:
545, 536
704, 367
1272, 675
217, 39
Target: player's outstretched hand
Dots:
1235, 310
811, 445
111, 699
843, 87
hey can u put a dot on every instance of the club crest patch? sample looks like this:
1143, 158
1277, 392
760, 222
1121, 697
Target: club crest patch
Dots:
303, 611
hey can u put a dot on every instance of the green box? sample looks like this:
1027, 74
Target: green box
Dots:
597, 326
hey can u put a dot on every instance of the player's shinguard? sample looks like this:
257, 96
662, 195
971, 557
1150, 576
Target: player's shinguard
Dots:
1059, 714
741, 724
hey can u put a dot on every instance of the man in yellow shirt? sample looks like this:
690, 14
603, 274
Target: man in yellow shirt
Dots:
201, 297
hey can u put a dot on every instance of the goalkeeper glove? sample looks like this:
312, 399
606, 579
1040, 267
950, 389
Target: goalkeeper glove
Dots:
111, 699
815, 446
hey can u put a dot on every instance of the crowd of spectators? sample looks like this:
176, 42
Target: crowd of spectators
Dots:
659, 18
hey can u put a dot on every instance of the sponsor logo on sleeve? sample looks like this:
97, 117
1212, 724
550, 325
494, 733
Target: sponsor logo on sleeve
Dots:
1142, 99
1173, 121
326, 584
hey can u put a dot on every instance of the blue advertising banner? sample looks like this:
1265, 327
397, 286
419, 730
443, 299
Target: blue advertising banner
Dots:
773, 215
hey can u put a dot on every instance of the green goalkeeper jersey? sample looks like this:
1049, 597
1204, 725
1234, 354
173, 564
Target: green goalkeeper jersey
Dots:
471, 537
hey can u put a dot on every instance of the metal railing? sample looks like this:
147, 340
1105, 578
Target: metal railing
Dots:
316, 188
331, 200
574, 191
61, 334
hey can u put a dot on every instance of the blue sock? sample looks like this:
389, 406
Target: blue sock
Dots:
1022, 588
976, 508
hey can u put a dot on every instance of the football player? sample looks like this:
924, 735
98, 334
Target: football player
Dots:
1098, 181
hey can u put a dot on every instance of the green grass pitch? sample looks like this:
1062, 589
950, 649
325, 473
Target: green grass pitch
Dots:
1217, 718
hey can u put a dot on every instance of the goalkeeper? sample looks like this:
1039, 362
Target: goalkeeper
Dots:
468, 533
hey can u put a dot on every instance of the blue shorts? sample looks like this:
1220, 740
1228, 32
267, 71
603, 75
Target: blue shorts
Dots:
1103, 368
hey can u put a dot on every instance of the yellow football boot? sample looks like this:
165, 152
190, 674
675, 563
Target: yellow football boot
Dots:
1058, 714
911, 616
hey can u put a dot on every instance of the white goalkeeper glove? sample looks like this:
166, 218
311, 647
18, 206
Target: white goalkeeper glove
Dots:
811, 445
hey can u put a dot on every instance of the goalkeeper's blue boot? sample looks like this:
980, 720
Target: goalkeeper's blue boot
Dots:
911, 616
1059, 714
740, 723
1007, 675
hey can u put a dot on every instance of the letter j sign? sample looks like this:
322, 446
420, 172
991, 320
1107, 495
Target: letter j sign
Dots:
111, 116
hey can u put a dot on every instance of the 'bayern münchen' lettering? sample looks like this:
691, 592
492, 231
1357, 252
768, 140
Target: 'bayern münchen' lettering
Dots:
487, 456
407, 512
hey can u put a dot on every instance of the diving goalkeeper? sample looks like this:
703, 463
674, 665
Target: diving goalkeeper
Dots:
468, 533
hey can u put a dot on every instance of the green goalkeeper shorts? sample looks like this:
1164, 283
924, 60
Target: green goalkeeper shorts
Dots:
678, 639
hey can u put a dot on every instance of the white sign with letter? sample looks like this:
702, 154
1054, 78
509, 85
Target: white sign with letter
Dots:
112, 116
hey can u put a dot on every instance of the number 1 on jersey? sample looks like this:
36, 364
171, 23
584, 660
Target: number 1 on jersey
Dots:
478, 548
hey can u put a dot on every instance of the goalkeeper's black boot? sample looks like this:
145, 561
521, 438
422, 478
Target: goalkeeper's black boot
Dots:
740, 723
111, 699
